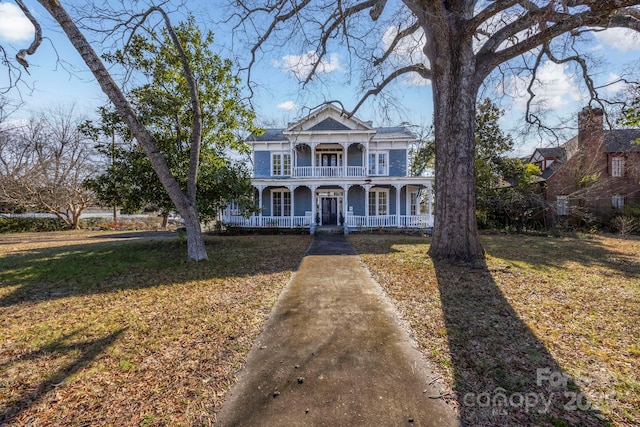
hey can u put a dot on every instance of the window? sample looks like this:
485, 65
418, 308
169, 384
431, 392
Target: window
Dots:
281, 164
562, 205
617, 166
280, 203
378, 164
413, 204
617, 201
378, 202
234, 209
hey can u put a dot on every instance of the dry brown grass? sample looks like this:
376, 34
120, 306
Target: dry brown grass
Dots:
568, 305
96, 332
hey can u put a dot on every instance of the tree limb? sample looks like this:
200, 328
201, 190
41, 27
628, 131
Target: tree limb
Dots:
37, 37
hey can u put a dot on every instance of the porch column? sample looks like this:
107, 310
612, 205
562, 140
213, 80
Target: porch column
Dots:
294, 160
313, 159
292, 189
398, 188
430, 202
345, 206
345, 146
312, 226
260, 188
367, 187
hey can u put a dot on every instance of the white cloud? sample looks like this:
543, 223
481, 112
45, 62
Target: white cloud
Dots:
14, 26
555, 87
621, 39
301, 65
286, 106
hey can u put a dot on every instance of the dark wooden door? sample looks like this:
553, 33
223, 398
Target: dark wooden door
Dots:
329, 211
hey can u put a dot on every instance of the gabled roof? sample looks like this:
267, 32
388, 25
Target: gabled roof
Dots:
329, 124
551, 152
394, 132
270, 135
621, 140
328, 117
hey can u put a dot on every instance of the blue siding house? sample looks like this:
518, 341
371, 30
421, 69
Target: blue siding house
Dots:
331, 170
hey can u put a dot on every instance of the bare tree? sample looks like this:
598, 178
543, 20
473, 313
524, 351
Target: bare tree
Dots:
43, 165
185, 201
458, 45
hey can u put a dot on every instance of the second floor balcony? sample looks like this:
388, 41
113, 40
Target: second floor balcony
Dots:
328, 171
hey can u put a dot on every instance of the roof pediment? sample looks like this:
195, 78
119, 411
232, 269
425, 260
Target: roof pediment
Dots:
329, 118
329, 124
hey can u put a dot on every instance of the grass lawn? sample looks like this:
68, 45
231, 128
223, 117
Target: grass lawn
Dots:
101, 332
546, 332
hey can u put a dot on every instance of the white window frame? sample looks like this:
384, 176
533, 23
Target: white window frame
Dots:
234, 209
617, 166
562, 205
617, 201
377, 205
414, 202
374, 167
285, 208
281, 161
338, 154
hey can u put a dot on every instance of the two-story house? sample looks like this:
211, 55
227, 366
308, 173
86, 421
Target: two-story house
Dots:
331, 170
594, 172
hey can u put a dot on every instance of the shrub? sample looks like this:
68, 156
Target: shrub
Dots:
24, 225
624, 224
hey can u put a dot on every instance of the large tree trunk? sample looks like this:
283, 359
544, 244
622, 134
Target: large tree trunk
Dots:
455, 232
195, 243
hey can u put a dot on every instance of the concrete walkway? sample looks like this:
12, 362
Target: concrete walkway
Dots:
332, 354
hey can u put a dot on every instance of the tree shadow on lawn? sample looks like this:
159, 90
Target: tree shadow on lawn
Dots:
87, 352
503, 374
542, 252
83, 269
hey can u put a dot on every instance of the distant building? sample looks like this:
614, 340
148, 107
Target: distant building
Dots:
331, 170
594, 172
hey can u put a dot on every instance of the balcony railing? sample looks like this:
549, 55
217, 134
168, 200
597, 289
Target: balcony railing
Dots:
328, 171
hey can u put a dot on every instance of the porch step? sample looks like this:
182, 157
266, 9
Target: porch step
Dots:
329, 229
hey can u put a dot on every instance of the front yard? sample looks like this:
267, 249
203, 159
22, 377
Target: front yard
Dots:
97, 331
126, 332
546, 332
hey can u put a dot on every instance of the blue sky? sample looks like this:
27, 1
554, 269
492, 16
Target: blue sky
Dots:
59, 78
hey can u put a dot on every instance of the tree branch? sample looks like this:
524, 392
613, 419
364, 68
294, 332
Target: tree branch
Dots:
37, 37
399, 36
415, 68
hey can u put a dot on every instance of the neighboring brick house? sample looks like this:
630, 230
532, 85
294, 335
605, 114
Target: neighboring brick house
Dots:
593, 173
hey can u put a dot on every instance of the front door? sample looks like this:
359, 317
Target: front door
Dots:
329, 211
329, 160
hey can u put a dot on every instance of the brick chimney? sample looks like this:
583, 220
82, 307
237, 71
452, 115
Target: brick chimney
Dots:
590, 126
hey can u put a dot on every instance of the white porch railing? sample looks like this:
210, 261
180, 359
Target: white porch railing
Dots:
407, 221
327, 171
416, 221
352, 221
268, 221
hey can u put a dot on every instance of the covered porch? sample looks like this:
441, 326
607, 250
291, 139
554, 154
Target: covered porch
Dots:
353, 206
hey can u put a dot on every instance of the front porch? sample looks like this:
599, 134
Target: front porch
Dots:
352, 206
